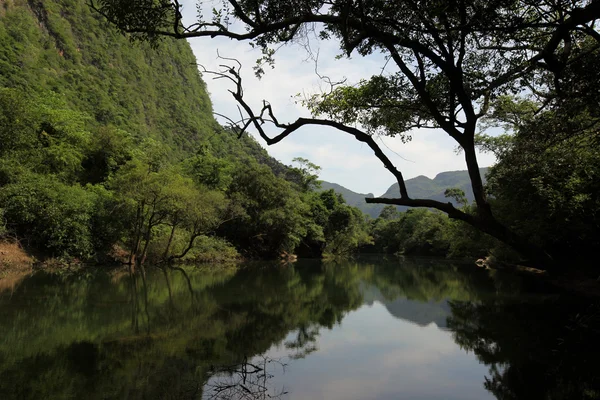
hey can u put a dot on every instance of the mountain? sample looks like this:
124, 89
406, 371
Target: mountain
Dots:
419, 187
421, 313
93, 125
61, 49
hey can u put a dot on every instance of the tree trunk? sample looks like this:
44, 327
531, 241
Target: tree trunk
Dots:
533, 253
166, 253
483, 207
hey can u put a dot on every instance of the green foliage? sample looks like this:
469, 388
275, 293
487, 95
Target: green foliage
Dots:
42, 135
305, 175
465, 241
346, 230
110, 148
457, 195
3, 228
425, 232
17, 122
212, 249
210, 171
50, 214
416, 232
381, 104
65, 48
275, 216
389, 213
108, 143
546, 185
343, 228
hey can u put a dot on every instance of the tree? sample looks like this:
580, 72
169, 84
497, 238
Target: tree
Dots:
546, 185
345, 227
305, 175
454, 60
50, 215
389, 213
274, 219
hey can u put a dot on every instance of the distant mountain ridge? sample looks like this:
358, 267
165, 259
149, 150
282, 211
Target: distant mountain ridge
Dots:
420, 187
421, 313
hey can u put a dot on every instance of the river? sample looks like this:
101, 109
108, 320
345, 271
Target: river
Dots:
373, 328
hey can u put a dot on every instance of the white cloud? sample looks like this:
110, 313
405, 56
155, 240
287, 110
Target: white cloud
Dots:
343, 160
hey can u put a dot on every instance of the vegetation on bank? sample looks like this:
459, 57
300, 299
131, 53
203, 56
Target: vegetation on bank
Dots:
74, 191
109, 152
545, 186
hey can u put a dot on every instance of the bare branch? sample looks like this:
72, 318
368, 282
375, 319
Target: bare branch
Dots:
266, 114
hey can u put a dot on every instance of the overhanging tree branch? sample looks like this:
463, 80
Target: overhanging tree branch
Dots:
267, 115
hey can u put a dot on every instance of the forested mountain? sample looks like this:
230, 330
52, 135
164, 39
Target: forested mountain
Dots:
420, 187
108, 146
60, 51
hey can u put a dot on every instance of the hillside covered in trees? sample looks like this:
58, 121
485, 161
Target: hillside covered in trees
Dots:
109, 149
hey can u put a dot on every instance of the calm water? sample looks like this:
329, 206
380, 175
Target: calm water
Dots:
371, 329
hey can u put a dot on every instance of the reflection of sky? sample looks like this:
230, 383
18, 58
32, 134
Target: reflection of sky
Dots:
373, 355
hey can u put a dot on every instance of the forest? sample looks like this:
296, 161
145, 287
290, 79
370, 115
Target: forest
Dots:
101, 159
110, 152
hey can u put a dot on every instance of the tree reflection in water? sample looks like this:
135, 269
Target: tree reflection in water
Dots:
535, 349
249, 380
164, 336
190, 334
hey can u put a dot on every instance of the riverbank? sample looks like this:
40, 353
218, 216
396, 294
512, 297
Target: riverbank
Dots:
14, 260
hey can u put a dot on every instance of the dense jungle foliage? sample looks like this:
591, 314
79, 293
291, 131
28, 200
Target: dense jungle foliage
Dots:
109, 147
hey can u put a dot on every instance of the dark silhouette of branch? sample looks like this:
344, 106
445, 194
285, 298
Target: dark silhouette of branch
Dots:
246, 380
266, 114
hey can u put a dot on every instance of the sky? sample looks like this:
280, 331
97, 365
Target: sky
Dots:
343, 159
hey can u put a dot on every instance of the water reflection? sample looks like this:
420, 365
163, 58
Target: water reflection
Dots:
251, 379
371, 329
545, 350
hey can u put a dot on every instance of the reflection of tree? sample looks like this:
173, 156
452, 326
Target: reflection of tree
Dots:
233, 313
430, 279
304, 342
535, 350
249, 380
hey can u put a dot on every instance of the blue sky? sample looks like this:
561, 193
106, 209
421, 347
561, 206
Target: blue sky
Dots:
343, 159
